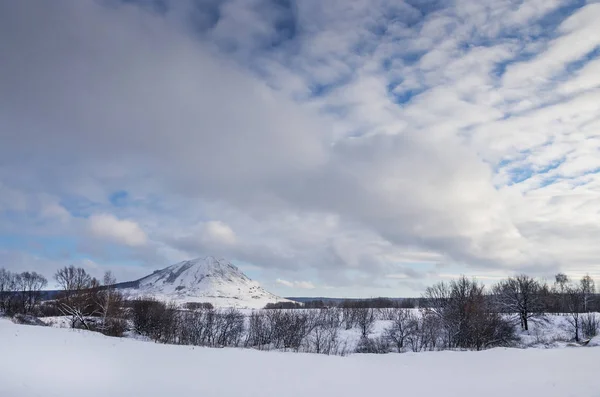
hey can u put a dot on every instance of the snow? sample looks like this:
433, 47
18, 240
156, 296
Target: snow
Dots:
57, 321
53, 362
552, 331
203, 280
594, 342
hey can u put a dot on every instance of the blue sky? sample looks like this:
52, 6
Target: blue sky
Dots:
339, 148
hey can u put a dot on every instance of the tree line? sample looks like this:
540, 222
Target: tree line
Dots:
377, 303
460, 314
20, 292
87, 302
465, 314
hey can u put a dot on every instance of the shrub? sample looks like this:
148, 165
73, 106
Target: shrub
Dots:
373, 345
198, 306
590, 325
27, 319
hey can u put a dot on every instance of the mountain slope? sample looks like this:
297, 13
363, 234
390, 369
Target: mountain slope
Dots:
202, 280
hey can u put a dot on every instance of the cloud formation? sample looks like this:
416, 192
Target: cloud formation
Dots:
296, 284
365, 145
217, 232
125, 231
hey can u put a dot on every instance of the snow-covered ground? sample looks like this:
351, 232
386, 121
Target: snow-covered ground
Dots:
553, 331
51, 362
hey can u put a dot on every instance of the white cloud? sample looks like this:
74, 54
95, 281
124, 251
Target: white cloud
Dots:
121, 231
296, 284
284, 282
577, 37
55, 210
219, 233
378, 139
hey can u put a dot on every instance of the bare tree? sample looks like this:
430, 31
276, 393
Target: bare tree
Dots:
76, 299
590, 325
486, 327
562, 281
561, 285
404, 325
465, 316
109, 302
72, 280
192, 328
365, 319
427, 333
574, 304
446, 303
287, 329
437, 304
229, 327
260, 333
143, 315
349, 315
588, 289
20, 292
154, 319
324, 337
7, 289
520, 296
29, 286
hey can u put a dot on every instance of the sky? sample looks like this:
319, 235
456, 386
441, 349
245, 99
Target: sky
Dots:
328, 148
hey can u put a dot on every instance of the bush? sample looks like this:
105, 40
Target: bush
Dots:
373, 345
48, 309
208, 327
365, 318
590, 325
154, 319
323, 338
114, 327
404, 325
467, 317
198, 306
228, 327
260, 334
427, 333
27, 319
284, 305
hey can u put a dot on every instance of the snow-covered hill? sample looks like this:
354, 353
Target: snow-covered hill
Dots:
203, 280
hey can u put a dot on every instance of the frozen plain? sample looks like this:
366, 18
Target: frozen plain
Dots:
53, 362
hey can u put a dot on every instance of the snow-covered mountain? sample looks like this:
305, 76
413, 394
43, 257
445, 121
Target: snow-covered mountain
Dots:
202, 280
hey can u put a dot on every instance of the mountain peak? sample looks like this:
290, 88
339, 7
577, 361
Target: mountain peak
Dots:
208, 279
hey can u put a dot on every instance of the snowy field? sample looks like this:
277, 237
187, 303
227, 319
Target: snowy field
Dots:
554, 331
53, 362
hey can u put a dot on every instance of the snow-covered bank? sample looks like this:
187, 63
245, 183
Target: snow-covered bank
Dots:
51, 362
